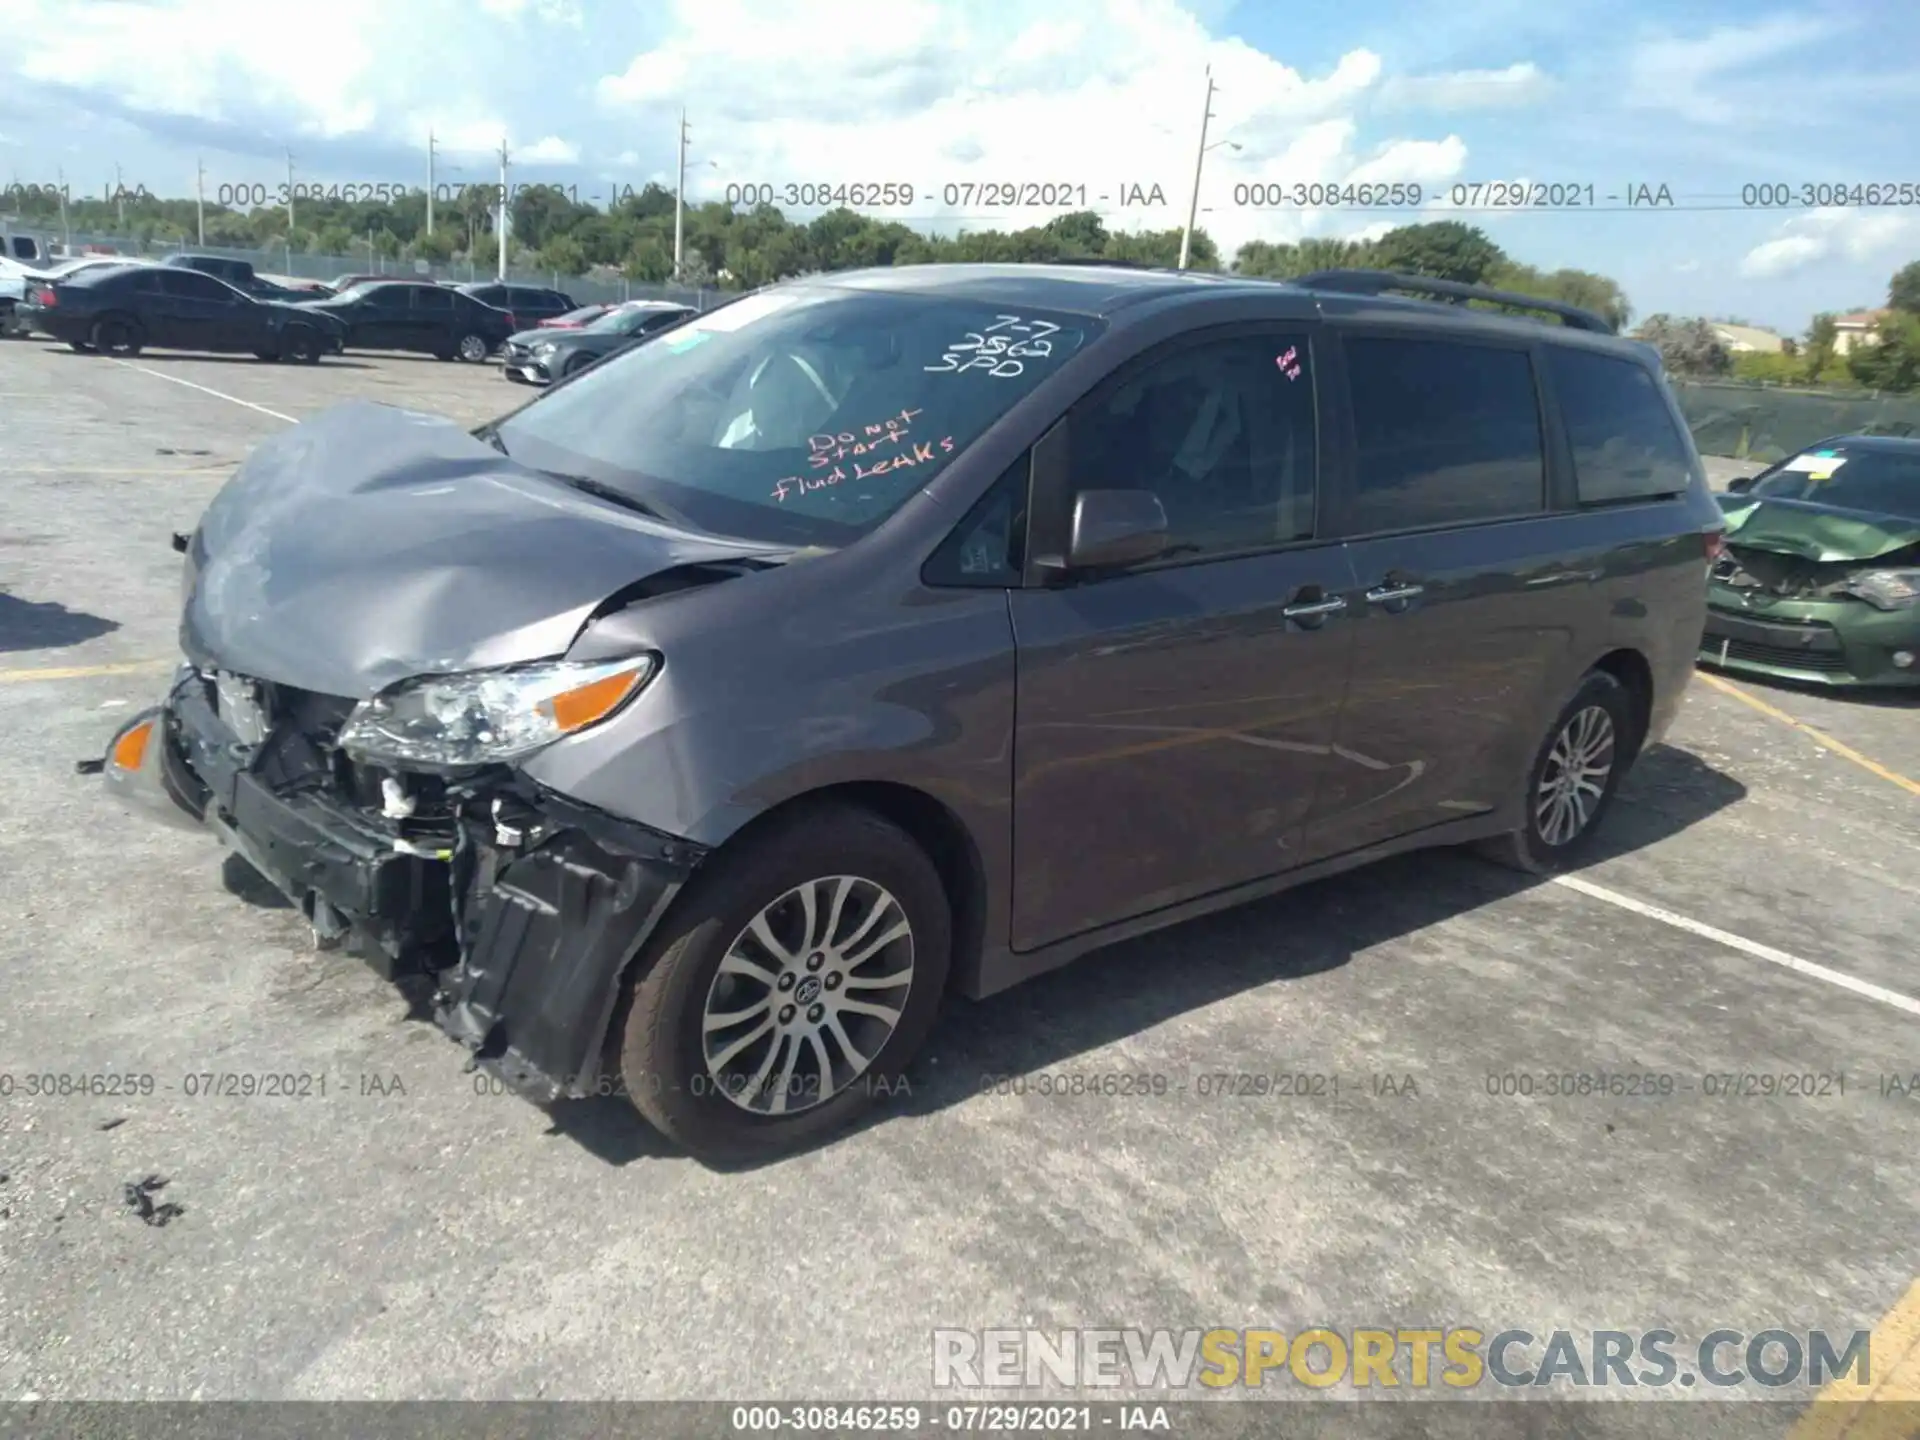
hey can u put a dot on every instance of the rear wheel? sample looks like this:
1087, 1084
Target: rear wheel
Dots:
791, 985
471, 348
115, 336
1573, 779
301, 345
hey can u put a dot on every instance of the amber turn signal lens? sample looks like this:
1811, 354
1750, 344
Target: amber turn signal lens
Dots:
575, 709
131, 748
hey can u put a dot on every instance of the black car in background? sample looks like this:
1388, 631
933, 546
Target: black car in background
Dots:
541, 356
241, 276
417, 315
527, 304
123, 310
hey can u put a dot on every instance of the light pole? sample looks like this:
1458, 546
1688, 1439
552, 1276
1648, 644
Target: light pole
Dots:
502, 225
429, 182
289, 200
1193, 198
680, 202
200, 198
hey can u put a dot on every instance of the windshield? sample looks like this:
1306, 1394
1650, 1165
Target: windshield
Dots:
1880, 482
622, 322
804, 413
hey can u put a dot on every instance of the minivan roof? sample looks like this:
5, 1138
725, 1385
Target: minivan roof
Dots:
1105, 288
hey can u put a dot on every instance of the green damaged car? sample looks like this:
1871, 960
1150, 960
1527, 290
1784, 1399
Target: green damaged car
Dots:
1820, 579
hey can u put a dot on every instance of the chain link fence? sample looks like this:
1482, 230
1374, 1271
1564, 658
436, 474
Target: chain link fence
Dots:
300, 265
1753, 421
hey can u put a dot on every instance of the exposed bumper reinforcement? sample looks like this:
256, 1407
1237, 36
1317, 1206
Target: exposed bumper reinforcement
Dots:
528, 923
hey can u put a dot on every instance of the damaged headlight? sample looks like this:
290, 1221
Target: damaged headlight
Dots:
488, 717
1886, 589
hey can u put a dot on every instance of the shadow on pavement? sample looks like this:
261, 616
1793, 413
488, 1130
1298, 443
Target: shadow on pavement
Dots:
47, 625
1142, 983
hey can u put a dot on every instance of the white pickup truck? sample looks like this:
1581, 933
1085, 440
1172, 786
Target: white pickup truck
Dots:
21, 257
27, 261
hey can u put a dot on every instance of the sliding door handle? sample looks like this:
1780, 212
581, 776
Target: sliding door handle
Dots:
1393, 594
1314, 609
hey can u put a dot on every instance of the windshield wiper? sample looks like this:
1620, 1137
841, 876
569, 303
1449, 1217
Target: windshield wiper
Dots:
611, 495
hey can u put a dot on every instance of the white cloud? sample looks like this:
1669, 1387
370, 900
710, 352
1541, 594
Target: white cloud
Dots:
1101, 98
1690, 77
1520, 84
551, 150
1828, 234
1096, 96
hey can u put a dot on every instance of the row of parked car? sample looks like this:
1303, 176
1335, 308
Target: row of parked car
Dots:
115, 306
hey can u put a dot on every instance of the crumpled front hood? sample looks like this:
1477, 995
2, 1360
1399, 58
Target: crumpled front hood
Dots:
373, 544
1814, 532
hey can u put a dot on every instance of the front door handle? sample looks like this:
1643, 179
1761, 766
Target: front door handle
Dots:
1393, 594
1314, 609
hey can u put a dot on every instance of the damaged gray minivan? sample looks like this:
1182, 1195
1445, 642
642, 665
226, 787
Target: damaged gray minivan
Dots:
702, 724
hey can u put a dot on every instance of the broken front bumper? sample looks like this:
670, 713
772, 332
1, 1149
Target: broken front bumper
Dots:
525, 907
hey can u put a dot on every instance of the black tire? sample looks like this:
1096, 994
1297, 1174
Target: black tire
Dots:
575, 364
301, 344
116, 336
658, 1028
471, 348
1532, 849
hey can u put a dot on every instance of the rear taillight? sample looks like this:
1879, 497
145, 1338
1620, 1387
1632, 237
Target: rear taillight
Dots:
1716, 544
46, 298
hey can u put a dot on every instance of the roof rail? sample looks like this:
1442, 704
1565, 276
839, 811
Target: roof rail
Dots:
1378, 282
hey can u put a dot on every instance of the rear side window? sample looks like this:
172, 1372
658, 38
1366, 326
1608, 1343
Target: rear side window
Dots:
1625, 444
429, 297
192, 285
1445, 434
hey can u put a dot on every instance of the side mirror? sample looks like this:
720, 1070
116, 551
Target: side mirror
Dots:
1116, 527
1740, 484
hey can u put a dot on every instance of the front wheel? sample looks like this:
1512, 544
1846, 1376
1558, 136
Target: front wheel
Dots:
1572, 782
472, 349
790, 987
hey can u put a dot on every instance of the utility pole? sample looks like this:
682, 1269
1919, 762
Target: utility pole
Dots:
503, 208
119, 199
200, 196
66, 230
1199, 160
1193, 200
289, 197
429, 182
680, 202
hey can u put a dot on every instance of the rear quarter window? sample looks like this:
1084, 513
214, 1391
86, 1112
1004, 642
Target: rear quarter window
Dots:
1625, 443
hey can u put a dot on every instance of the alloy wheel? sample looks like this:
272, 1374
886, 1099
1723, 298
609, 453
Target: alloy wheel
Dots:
1575, 775
807, 995
472, 349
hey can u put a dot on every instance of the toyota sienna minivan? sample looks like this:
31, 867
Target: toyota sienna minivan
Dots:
704, 723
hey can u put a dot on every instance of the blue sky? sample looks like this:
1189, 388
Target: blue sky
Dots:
1700, 96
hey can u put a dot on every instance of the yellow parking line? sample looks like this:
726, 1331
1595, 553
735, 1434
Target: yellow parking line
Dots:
82, 672
1819, 737
1887, 1406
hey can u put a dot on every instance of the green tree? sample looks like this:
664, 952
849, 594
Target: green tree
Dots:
1892, 360
437, 248
1443, 250
1687, 347
563, 255
1822, 336
1903, 292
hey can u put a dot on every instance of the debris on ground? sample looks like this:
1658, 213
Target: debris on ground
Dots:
140, 1195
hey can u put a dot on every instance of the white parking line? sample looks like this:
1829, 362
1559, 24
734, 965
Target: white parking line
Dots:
1739, 942
207, 390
